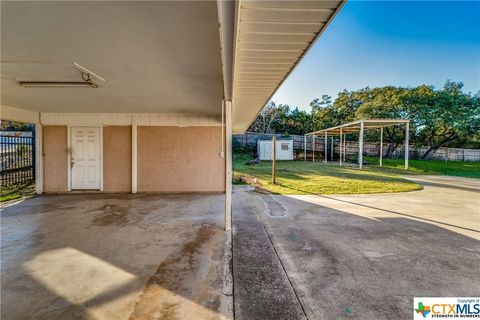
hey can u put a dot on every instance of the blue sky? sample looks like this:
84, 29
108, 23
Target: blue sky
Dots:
400, 43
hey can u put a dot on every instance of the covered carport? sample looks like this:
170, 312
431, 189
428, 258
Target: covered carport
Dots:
359, 127
135, 86
133, 102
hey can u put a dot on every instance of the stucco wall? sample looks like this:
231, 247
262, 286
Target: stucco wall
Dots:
117, 159
174, 159
55, 175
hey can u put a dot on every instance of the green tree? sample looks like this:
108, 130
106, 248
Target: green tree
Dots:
265, 119
444, 117
282, 119
385, 103
328, 114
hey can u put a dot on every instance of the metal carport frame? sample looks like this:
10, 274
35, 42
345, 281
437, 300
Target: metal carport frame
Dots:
359, 126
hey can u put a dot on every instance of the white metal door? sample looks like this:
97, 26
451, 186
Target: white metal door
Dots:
85, 157
268, 151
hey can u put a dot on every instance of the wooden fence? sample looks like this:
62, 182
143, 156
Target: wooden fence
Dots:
372, 149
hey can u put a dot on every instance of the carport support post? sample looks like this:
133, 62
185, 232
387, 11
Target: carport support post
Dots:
38, 158
340, 149
360, 146
331, 150
274, 158
313, 147
325, 160
228, 165
344, 147
381, 146
407, 133
304, 148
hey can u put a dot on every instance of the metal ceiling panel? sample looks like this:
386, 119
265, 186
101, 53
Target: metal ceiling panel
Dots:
292, 4
281, 27
276, 37
274, 46
287, 15
271, 38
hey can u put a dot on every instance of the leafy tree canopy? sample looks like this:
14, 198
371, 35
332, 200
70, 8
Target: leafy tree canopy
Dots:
439, 117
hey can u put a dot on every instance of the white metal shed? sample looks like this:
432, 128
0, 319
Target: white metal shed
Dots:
284, 149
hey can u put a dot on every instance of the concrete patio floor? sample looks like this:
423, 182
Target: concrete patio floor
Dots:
355, 257
98, 256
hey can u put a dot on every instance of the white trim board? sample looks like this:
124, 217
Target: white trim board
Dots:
38, 159
134, 158
124, 119
69, 158
101, 158
18, 115
228, 165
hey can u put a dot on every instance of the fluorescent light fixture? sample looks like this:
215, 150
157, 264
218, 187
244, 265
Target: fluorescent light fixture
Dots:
70, 84
87, 77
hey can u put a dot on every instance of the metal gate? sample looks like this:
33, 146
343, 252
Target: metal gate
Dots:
17, 150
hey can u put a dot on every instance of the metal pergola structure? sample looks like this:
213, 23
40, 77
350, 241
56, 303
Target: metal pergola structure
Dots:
359, 127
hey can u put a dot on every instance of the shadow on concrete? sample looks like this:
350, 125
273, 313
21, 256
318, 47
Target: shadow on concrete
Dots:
448, 186
381, 209
323, 263
264, 171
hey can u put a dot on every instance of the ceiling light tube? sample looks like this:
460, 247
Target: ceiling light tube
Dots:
32, 84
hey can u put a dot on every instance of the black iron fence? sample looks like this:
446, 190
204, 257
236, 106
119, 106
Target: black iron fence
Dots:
17, 151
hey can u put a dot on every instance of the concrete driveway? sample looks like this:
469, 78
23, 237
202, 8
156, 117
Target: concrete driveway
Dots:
132, 257
113, 257
358, 256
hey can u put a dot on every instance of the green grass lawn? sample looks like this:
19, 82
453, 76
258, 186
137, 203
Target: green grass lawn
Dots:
299, 177
448, 168
16, 192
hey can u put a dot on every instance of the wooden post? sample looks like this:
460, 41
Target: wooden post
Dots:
381, 146
345, 147
340, 147
407, 141
360, 146
274, 155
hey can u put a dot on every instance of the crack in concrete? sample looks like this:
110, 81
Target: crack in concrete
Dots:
279, 259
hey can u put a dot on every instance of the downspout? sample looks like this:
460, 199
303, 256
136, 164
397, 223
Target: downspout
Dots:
222, 149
